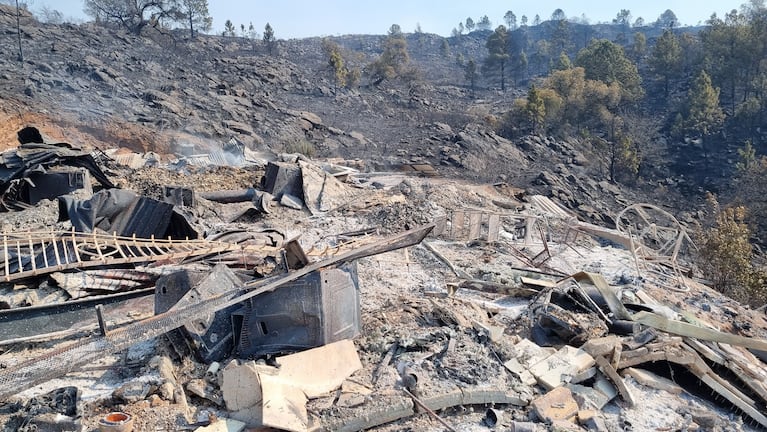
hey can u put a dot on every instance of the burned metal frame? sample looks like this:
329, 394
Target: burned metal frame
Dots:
38, 253
36, 320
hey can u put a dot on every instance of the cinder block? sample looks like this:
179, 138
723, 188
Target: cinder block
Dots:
557, 404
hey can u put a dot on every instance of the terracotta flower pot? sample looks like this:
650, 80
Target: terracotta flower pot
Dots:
116, 422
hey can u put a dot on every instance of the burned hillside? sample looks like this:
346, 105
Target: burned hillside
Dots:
110, 89
202, 235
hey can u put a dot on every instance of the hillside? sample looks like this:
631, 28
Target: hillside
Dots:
90, 85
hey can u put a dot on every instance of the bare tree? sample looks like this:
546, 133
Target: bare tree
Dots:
133, 15
51, 16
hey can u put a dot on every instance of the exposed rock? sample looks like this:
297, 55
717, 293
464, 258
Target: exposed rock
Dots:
131, 392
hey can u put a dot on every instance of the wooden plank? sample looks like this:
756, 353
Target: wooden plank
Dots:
493, 227
652, 380
700, 368
684, 329
745, 365
706, 351
725, 393
616, 379
475, 225
6, 258
456, 225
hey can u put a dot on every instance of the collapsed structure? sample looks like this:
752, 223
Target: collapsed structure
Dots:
504, 305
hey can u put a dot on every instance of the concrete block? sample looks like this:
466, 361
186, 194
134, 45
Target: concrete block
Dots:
584, 375
603, 346
560, 367
592, 420
587, 397
520, 372
528, 353
241, 386
603, 385
558, 404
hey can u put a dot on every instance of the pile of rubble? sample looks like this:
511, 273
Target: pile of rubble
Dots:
233, 290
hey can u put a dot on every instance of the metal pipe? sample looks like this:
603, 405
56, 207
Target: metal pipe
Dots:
259, 198
231, 195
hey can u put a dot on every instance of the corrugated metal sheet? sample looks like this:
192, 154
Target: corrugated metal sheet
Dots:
131, 160
219, 158
198, 160
546, 205
126, 213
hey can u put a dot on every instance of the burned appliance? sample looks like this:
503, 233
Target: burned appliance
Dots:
317, 309
211, 338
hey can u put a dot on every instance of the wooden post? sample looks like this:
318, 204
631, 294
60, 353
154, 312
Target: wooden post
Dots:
475, 225
529, 225
493, 227
456, 226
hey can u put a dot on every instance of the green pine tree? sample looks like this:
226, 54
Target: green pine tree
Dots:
497, 59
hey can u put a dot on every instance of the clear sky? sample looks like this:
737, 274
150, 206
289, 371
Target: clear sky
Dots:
302, 18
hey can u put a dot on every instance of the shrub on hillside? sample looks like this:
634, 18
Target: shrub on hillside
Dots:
726, 256
302, 146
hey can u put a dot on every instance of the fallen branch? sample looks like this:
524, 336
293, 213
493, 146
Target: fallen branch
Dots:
495, 288
458, 272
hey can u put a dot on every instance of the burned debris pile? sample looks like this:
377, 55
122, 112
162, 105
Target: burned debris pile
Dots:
40, 169
312, 296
